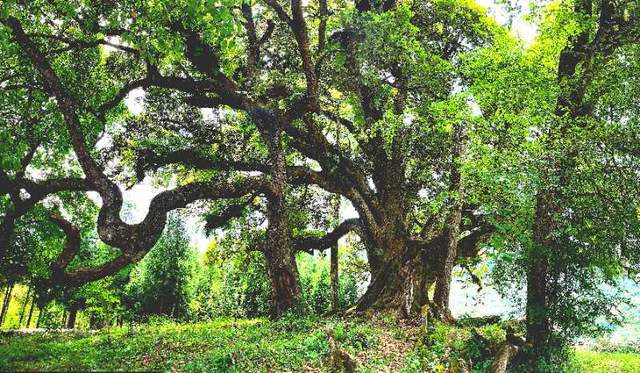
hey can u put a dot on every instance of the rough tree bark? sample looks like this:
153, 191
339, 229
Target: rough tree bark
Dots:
538, 325
443, 276
281, 264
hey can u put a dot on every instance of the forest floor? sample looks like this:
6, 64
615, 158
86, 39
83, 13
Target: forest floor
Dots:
293, 344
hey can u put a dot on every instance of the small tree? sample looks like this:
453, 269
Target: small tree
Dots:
160, 283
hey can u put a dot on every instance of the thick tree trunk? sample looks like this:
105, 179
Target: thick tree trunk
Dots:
71, 319
285, 290
281, 265
397, 285
282, 268
443, 276
502, 359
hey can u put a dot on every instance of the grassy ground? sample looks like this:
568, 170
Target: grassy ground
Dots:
381, 344
224, 345
609, 362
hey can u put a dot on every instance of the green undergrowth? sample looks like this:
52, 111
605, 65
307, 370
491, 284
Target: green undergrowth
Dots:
470, 345
222, 345
375, 343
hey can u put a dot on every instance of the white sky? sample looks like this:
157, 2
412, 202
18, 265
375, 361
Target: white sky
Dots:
520, 28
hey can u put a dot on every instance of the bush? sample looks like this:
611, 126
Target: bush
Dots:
452, 347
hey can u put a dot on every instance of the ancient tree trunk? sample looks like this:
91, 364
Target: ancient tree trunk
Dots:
282, 269
71, 319
396, 286
443, 276
281, 265
334, 277
504, 356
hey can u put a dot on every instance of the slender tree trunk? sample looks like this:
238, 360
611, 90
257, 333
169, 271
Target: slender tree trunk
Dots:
538, 324
63, 322
71, 319
24, 306
42, 312
6, 303
334, 277
33, 301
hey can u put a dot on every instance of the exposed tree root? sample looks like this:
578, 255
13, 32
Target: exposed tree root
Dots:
339, 360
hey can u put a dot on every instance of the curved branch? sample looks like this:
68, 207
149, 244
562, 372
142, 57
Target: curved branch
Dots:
138, 239
71, 246
133, 240
84, 44
230, 212
280, 12
37, 192
66, 104
150, 160
309, 244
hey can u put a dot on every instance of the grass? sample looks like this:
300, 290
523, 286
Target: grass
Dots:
222, 345
609, 362
259, 345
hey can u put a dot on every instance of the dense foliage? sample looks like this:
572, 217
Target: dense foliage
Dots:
451, 142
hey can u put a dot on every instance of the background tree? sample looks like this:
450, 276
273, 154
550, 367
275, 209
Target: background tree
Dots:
159, 284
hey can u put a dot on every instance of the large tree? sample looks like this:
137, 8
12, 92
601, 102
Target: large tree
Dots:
587, 204
563, 197
366, 100
290, 76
